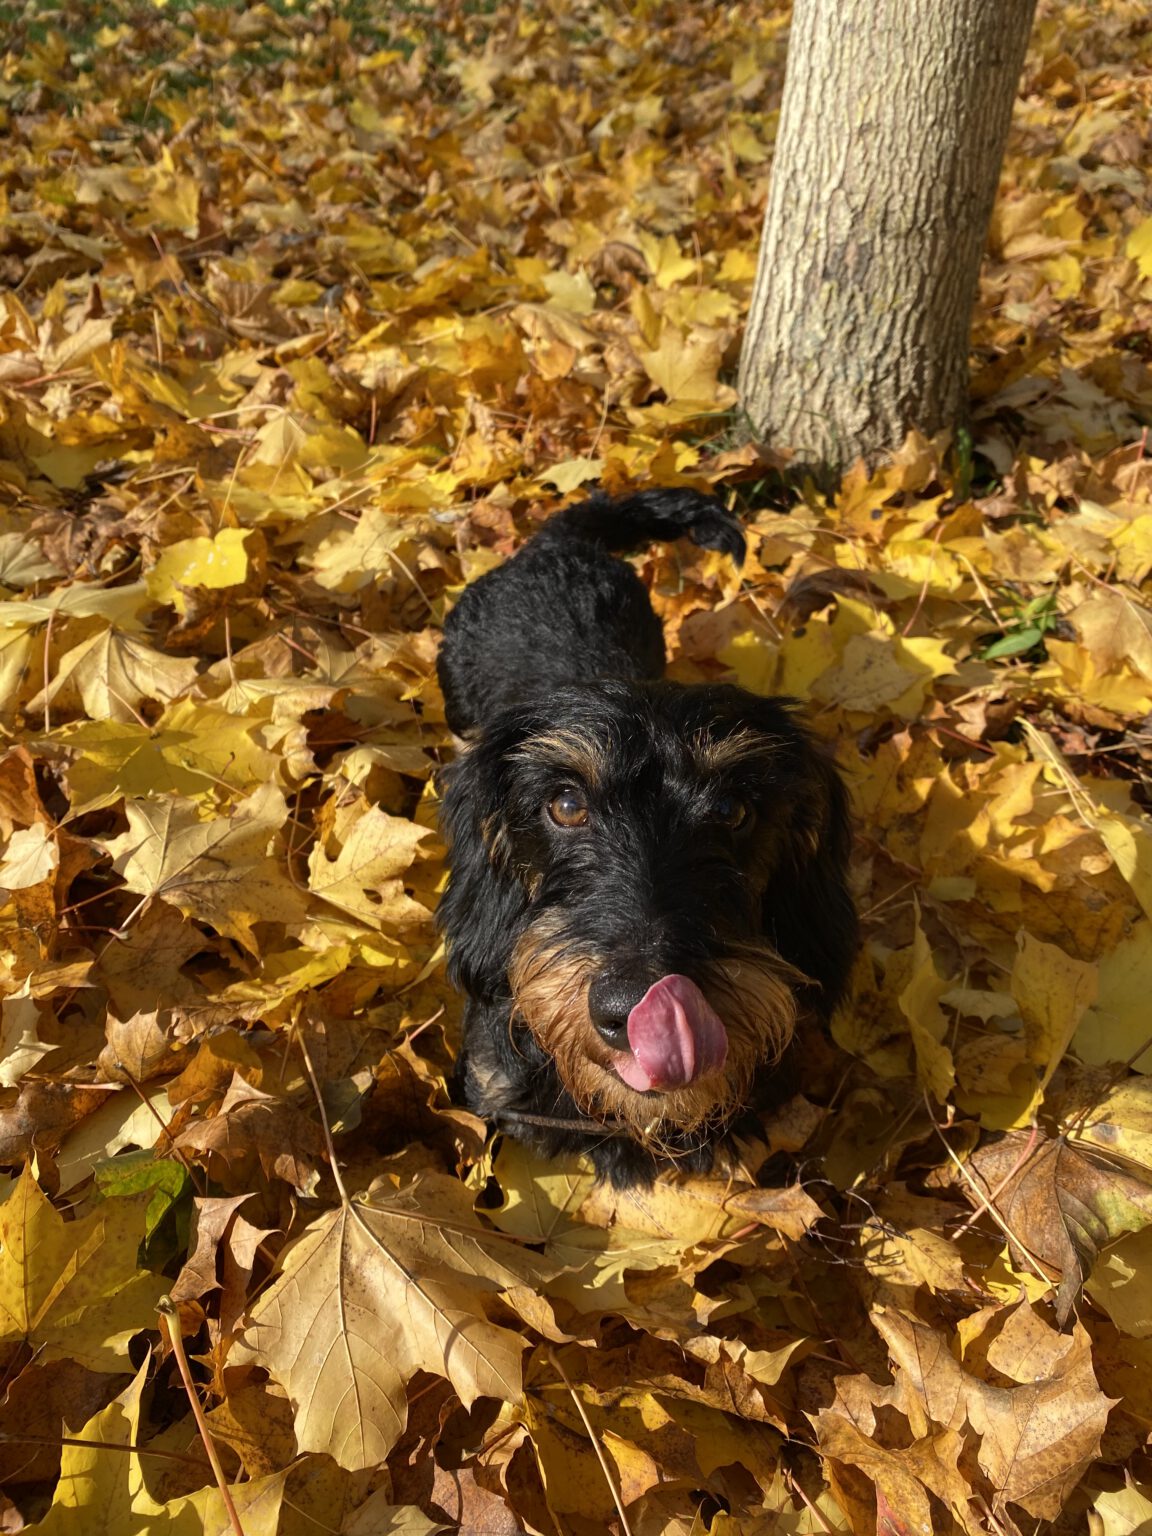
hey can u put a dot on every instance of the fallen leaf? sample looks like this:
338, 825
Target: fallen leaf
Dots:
72, 1290
419, 1255
1059, 1204
31, 857
1035, 1439
108, 677
218, 871
363, 879
102, 1492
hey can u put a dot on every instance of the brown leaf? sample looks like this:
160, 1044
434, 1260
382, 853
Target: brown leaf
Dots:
243, 1244
35, 1405
368, 1295
252, 1127
258, 1427
1058, 1203
20, 804
219, 871
138, 1049
790, 1211
1035, 1439
211, 1215
142, 971
39, 1114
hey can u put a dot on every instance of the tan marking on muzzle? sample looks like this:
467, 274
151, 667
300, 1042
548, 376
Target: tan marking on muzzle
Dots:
751, 993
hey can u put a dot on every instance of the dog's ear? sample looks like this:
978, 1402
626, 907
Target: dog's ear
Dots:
481, 911
808, 911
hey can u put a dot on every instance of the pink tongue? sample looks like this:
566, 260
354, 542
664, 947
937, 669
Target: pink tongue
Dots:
675, 1036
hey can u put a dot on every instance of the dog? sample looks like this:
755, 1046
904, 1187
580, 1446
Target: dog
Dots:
648, 881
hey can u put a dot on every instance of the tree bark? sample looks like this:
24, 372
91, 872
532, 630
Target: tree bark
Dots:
892, 132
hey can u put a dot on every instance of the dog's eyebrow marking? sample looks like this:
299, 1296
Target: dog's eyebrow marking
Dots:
571, 750
714, 756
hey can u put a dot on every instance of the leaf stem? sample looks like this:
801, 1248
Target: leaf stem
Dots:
170, 1320
331, 1145
554, 1359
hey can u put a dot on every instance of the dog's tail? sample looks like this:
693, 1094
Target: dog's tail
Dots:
662, 514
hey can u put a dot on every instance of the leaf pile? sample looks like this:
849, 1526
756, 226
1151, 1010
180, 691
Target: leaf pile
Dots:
309, 315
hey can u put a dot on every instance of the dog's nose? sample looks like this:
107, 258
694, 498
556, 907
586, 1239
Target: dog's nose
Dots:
611, 998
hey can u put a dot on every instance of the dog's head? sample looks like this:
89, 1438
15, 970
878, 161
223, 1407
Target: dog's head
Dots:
656, 876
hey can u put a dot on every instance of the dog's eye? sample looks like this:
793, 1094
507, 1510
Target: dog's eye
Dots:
569, 809
732, 812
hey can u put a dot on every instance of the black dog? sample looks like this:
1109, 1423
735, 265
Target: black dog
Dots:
648, 881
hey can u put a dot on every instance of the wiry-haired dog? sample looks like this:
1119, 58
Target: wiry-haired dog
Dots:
648, 880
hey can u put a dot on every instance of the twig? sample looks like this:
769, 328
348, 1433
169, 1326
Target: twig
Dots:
816, 1513
324, 1126
1032, 1263
47, 671
907, 630
392, 555
54, 1442
170, 1314
596, 1446
1005, 1181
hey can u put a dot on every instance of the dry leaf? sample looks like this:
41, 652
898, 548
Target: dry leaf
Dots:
419, 1258
219, 872
72, 1290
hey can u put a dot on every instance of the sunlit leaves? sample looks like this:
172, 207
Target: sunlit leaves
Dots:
102, 1490
73, 1290
370, 1294
219, 871
306, 320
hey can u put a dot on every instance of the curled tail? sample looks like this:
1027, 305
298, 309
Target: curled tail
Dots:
666, 513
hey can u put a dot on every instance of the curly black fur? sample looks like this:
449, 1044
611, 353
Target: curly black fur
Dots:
561, 643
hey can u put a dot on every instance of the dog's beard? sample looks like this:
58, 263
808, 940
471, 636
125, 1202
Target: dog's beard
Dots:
750, 988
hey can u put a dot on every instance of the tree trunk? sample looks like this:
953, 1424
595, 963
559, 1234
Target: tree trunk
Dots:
891, 136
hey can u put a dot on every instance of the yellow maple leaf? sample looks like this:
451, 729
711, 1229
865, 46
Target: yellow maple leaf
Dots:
666, 262
122, 606
1051, 990
1139, 247
420, 1255
194, 749
1115, 1027
31, 857
753, 660
72, 1289
570, 292
174, 199
1066, 274
878, 669
363, 879
219, 871
109, 675
920, 1004
686, 368
569, 475
102, 1490
221, 561
1074, 672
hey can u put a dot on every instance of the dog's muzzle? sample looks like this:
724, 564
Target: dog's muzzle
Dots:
667, 1036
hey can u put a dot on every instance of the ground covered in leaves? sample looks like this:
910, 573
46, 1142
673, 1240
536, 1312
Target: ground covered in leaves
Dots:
307, 318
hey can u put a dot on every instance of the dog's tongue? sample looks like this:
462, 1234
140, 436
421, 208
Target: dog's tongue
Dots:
675, 1036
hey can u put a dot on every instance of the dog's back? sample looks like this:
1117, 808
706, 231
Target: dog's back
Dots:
564, 610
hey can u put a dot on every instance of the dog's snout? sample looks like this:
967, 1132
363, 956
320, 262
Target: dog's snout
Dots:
611, 998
